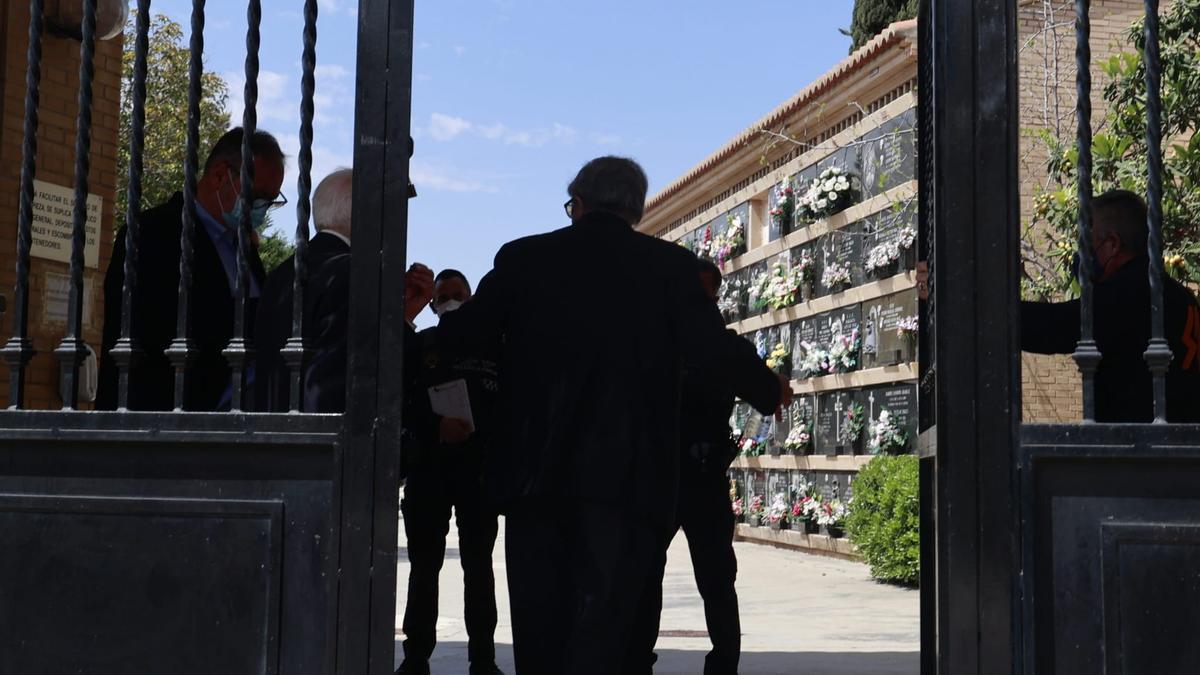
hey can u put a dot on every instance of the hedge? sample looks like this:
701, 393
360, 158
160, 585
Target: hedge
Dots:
885, 518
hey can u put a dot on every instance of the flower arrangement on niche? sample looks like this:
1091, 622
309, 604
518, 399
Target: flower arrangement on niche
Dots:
815, 361
785, 205
843, 349
755, 513
777, 513
739, 507
884, 258
757, 295
852, 422
799, 438
832, 516
837, 276
780, 359
730, 299
833, 191
907, 329
885, 436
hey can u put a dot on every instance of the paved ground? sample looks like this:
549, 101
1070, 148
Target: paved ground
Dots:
801, 614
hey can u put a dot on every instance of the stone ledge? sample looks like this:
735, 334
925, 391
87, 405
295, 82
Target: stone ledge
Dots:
804, 462
790, 539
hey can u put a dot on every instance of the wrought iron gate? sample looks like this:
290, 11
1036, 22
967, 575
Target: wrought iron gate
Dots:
192, 542
1047, 548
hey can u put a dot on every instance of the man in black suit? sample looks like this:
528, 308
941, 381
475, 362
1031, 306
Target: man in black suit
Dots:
593, 323
219, 209
326, 312
703, 513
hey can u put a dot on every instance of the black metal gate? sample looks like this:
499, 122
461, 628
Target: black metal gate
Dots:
191, 542
1047, 548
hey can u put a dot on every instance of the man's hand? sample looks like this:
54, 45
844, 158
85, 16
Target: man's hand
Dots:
418, 290
785, 395
923, 280
452, 431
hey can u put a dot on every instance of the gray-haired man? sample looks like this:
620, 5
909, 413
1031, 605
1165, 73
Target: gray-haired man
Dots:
592, 323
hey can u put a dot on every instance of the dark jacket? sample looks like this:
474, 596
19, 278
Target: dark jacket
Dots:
156, 302
326, 318
436, 366
593, 323
1124, 390
705, 445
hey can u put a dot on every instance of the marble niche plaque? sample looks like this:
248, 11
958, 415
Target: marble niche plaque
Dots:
900, 400
753, 272
889, 154
756, 483
843, 247
797, 479
886, 227
802, 412
834, 436
775, 229
802, 331
777, 483
882, 345
808, 290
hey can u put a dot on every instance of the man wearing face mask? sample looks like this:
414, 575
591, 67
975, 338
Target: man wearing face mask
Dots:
1120, 272
220, 207
443, 469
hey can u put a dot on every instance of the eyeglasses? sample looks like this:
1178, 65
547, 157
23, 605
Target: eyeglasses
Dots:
280, 200
569, 207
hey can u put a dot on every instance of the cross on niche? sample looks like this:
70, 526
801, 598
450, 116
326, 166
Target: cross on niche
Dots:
837, 420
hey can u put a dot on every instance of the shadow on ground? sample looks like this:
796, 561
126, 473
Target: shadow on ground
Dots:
451, 659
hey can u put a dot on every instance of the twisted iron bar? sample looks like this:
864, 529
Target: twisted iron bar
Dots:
182, 349
19, 350
71, 350
1158, 352
239, 350
294, 351
1087, 355
127, 348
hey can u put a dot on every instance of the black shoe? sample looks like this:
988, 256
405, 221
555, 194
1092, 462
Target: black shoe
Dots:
489, 669
413, 668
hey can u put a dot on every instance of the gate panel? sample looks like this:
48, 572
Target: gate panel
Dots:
1112, 540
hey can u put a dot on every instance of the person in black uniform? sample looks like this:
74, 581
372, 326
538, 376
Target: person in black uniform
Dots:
444, 469
219, 209
1121, 298
703, 512
592, 323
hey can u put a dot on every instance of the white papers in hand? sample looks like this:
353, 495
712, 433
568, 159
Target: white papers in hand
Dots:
451, 400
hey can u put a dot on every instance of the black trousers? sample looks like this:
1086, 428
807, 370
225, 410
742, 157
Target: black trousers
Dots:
575, 574
704, 515
428, 497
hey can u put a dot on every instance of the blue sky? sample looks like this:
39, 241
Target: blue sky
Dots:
511, 97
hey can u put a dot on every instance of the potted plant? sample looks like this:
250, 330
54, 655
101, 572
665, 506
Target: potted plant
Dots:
834, 190
804, 273
754, 514
831, 516
785, 206
906, 330
783, 289
843, 349
837, 276
799, 438
852, 424
885, 436
780, 360
777, 513
807, 510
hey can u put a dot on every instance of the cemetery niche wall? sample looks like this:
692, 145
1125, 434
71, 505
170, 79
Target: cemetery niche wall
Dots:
817, 243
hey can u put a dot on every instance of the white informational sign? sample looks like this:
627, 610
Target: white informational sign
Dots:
53, 219
56, 301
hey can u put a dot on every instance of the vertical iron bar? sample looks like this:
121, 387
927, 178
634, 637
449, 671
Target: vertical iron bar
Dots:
182, 349
127, 348
71, 350
1158, 352
1087, 354
19, 350
239, 349
293, 352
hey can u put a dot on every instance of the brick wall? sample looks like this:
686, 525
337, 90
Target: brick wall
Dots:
1047, 79
55, 164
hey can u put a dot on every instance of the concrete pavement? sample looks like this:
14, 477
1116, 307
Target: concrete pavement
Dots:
801, 614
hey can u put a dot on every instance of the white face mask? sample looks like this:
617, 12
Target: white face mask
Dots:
447, 307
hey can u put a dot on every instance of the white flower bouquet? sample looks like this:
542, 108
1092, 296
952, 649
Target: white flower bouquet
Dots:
843, 349
886, 436
833, 191
815, 361
836, 276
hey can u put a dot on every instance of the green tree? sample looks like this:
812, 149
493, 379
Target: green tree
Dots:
1119, 156
872, 16
167, 63
273, 247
